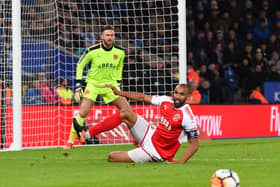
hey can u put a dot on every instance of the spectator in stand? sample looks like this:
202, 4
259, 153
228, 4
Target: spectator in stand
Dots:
190, 57
210, 42
243, 71
249, 39
201, 58
248, 52
222, 23
274, 59
133, 75
191, 29
192, 75
217, 85
272, 74
231, 83
200, 19
231, 54
198, 42
265, 52
263, 16
273, 43
256, 77
9, 93
33, 95
88, 35
256, 97
221, 38
217, 57
233, 38
247, 23
64, 92
249, 7
203, 72
204, 91
258, 60
276, 29
48, 89
195, 96
234, 9
213, 18
261, 31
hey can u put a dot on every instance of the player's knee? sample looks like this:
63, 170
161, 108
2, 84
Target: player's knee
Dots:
126, 114
83, 113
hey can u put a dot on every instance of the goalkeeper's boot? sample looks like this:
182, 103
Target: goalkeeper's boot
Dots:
80, 130
68, 146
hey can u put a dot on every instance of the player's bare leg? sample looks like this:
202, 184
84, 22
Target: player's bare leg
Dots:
119, 156
126, 113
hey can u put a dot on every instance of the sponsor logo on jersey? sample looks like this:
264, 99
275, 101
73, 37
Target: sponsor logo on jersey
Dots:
176, 117
107, 66
164, 122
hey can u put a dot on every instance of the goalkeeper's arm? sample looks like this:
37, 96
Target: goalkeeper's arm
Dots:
136, 96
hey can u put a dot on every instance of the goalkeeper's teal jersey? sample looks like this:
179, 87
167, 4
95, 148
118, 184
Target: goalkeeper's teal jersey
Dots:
105, 65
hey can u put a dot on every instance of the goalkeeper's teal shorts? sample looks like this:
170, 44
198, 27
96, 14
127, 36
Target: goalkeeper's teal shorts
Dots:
92, 91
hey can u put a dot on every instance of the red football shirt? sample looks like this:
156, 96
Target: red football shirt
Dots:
172, 127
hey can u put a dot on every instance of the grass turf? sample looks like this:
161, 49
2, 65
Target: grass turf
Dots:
255, 160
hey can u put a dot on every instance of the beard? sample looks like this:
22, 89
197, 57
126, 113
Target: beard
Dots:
178, 103
108, 42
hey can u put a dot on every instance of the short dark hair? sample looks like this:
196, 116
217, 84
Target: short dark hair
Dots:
106, 27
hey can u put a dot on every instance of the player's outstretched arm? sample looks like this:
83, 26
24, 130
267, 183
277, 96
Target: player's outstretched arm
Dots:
190, 151
137, 96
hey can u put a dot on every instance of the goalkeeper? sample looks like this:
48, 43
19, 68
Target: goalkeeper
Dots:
105, 62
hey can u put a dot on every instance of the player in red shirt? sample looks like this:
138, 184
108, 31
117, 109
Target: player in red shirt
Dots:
176, 124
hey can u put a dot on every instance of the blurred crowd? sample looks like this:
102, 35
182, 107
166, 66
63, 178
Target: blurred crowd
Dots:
234, 46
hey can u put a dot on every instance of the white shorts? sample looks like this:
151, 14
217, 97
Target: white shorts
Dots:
142, 132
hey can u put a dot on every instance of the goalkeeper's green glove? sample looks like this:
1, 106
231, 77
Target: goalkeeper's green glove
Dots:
79, 89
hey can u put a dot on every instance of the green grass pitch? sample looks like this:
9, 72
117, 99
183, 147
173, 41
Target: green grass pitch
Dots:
257, 162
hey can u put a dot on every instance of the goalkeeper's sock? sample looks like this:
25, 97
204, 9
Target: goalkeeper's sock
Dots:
80, 121
72, 136
107, 124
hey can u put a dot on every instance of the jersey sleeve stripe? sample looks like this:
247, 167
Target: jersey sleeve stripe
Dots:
189, 112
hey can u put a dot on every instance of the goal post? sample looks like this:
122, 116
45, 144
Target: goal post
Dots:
182, 25
16, 68
42, 43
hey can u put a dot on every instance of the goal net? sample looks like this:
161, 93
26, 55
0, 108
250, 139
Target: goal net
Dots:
53, 36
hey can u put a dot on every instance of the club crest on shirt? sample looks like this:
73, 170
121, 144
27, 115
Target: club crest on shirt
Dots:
87, 92
115, 56
176, 117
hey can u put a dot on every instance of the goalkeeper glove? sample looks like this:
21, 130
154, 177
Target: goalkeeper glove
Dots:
79, 89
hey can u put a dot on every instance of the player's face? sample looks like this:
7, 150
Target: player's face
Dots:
180, 96
108, 38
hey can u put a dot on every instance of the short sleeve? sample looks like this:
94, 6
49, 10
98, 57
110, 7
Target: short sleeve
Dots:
189, 122
157, 100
